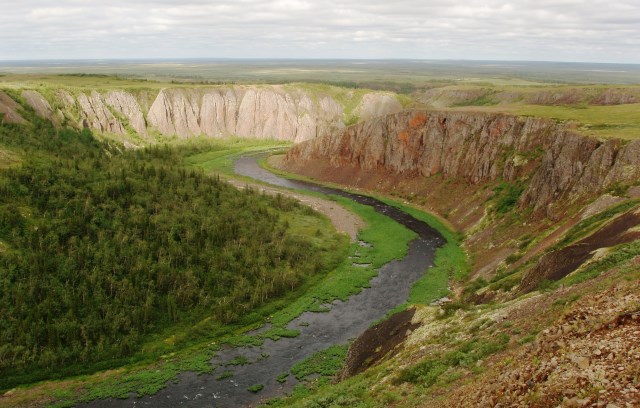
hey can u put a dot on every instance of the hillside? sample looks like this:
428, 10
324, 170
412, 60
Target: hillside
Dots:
544, 196
139, 115
550, 220
111, 256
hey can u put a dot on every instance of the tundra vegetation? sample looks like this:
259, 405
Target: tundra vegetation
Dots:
493, 339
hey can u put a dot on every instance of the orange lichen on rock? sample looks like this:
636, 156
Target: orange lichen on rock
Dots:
418, 120
403, 136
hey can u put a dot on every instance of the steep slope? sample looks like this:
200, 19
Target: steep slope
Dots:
9, 110
140, 116
479, 148
550, 217
513, 185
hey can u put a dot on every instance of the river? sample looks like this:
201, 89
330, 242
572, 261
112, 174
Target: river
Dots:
344, 320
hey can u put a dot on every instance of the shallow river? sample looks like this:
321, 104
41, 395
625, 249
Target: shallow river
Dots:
344, 321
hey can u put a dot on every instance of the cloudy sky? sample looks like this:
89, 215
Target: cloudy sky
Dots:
550, 30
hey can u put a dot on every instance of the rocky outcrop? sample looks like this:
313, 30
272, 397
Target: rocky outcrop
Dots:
373, 105
266, 112
478, 148
95, 114
614, 96
40, 105
9, 110
126, 105
448, 96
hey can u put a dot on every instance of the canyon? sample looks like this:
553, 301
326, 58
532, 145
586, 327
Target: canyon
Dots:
546, 215
142, 116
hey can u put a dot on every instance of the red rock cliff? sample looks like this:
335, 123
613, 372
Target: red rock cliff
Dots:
556, 162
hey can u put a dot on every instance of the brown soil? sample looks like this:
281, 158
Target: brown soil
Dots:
558, 264
377, 343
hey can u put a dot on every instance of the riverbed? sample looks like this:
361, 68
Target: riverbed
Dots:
342, 322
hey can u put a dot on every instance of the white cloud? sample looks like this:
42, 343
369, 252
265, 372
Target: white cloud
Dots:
577, 30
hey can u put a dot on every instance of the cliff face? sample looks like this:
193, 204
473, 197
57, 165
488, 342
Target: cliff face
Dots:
9, 110
253, 112
268, 112
478, 148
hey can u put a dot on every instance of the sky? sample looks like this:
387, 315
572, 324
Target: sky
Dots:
532, 30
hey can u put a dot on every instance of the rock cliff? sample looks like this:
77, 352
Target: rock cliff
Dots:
554, 162
9, 110
268, 112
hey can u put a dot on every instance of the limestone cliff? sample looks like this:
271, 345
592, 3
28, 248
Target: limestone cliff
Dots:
273, 112
556, 163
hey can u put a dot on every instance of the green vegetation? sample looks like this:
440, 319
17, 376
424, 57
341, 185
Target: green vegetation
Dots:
8, 159
187, 345
450, 261
589, 225
619, 256
621, 121
322, 367
224, 375
429, 371
506, 196
482, 100
255, 388
325, 363
282, 378
238, 361
219, 156
106, 250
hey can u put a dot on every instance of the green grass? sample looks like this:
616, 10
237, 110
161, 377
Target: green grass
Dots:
506, 196
219, 156
451, 262
588, 225
255, 388
325, 363
225, 375
429, 371
282, 378
615, 121
8, 158
389, 241
620, 256
620, 121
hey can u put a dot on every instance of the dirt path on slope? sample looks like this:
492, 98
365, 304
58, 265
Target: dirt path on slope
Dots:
343, 220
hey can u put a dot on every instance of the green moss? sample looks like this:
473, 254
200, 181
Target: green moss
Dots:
506, 196
587, 226
428, 372
325, 363
255, 388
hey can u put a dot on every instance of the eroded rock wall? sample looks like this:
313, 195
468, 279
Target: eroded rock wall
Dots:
267, 112
556, 162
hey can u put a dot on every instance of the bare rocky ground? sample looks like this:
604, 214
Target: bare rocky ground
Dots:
588, 357
571, 347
